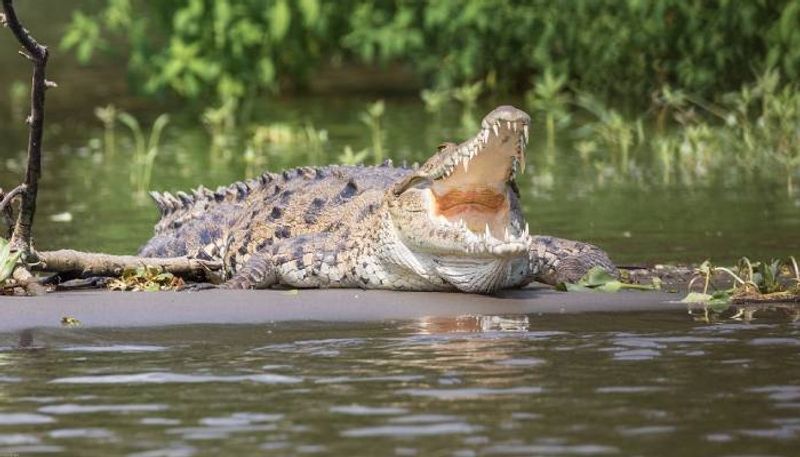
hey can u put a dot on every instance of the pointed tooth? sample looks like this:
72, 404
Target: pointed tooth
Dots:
508, 125
514, 126
505, 235
525, 133
488, 232
496, 129
465, 164
527, 230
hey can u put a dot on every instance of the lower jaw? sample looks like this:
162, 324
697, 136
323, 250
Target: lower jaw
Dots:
477, 217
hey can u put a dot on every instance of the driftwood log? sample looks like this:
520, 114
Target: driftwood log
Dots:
87, 264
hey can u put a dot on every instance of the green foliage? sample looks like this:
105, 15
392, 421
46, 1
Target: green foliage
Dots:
599, 280
270, 145
146, 279
349, 157
750, 135
8, 261
83, 36
775, 280
549, 96
234, 48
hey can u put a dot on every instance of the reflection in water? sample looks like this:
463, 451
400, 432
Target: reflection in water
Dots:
470, 323
601, 384
747, 312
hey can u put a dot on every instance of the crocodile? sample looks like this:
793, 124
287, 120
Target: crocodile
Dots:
453, 223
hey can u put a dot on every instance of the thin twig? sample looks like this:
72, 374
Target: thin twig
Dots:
10, 196
25, 39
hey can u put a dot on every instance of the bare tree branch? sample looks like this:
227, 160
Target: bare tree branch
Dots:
21, 238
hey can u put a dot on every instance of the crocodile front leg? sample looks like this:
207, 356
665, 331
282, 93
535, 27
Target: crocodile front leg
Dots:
563, 260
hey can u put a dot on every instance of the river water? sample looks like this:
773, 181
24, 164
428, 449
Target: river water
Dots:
591, 384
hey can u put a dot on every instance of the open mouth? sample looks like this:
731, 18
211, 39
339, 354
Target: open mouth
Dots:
472, 187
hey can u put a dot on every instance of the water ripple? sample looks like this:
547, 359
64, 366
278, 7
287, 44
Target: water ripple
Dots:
775, 342
551, 449
93, 433
24, 419
176, 378
448, 428
471, 392
628, 389
115, 348
361, 410
16, 439
69, 408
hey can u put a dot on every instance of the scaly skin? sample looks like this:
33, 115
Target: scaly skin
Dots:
455, 223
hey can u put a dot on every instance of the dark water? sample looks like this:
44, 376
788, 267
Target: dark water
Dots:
601, 384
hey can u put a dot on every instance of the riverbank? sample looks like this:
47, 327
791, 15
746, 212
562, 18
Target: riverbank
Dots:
137, 309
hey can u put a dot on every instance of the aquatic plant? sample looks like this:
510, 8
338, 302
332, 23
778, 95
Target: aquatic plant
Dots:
108, 116
612, 130
145, 150
775, 280
372, 118
349, 157
468, 95
549, 96
435, 99
220, 122
599, 280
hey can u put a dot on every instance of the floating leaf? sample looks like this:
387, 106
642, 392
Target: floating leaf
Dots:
598, 279
69, 321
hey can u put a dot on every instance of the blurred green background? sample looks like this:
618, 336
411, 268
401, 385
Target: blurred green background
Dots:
664, 130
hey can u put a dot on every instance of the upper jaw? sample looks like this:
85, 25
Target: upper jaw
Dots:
503, 133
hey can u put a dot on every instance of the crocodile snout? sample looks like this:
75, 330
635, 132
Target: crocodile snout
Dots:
505, 114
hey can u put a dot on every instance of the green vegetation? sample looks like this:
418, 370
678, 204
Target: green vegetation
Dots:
8, 261
713, 81
759, 282
371, 117
599, 280
108, 116
238, 48
145, 150
751, 135
147, 279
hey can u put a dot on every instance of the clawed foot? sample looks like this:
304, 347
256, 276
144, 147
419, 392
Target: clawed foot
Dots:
566, 261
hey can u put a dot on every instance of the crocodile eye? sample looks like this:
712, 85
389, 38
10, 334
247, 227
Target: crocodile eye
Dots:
409, 182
